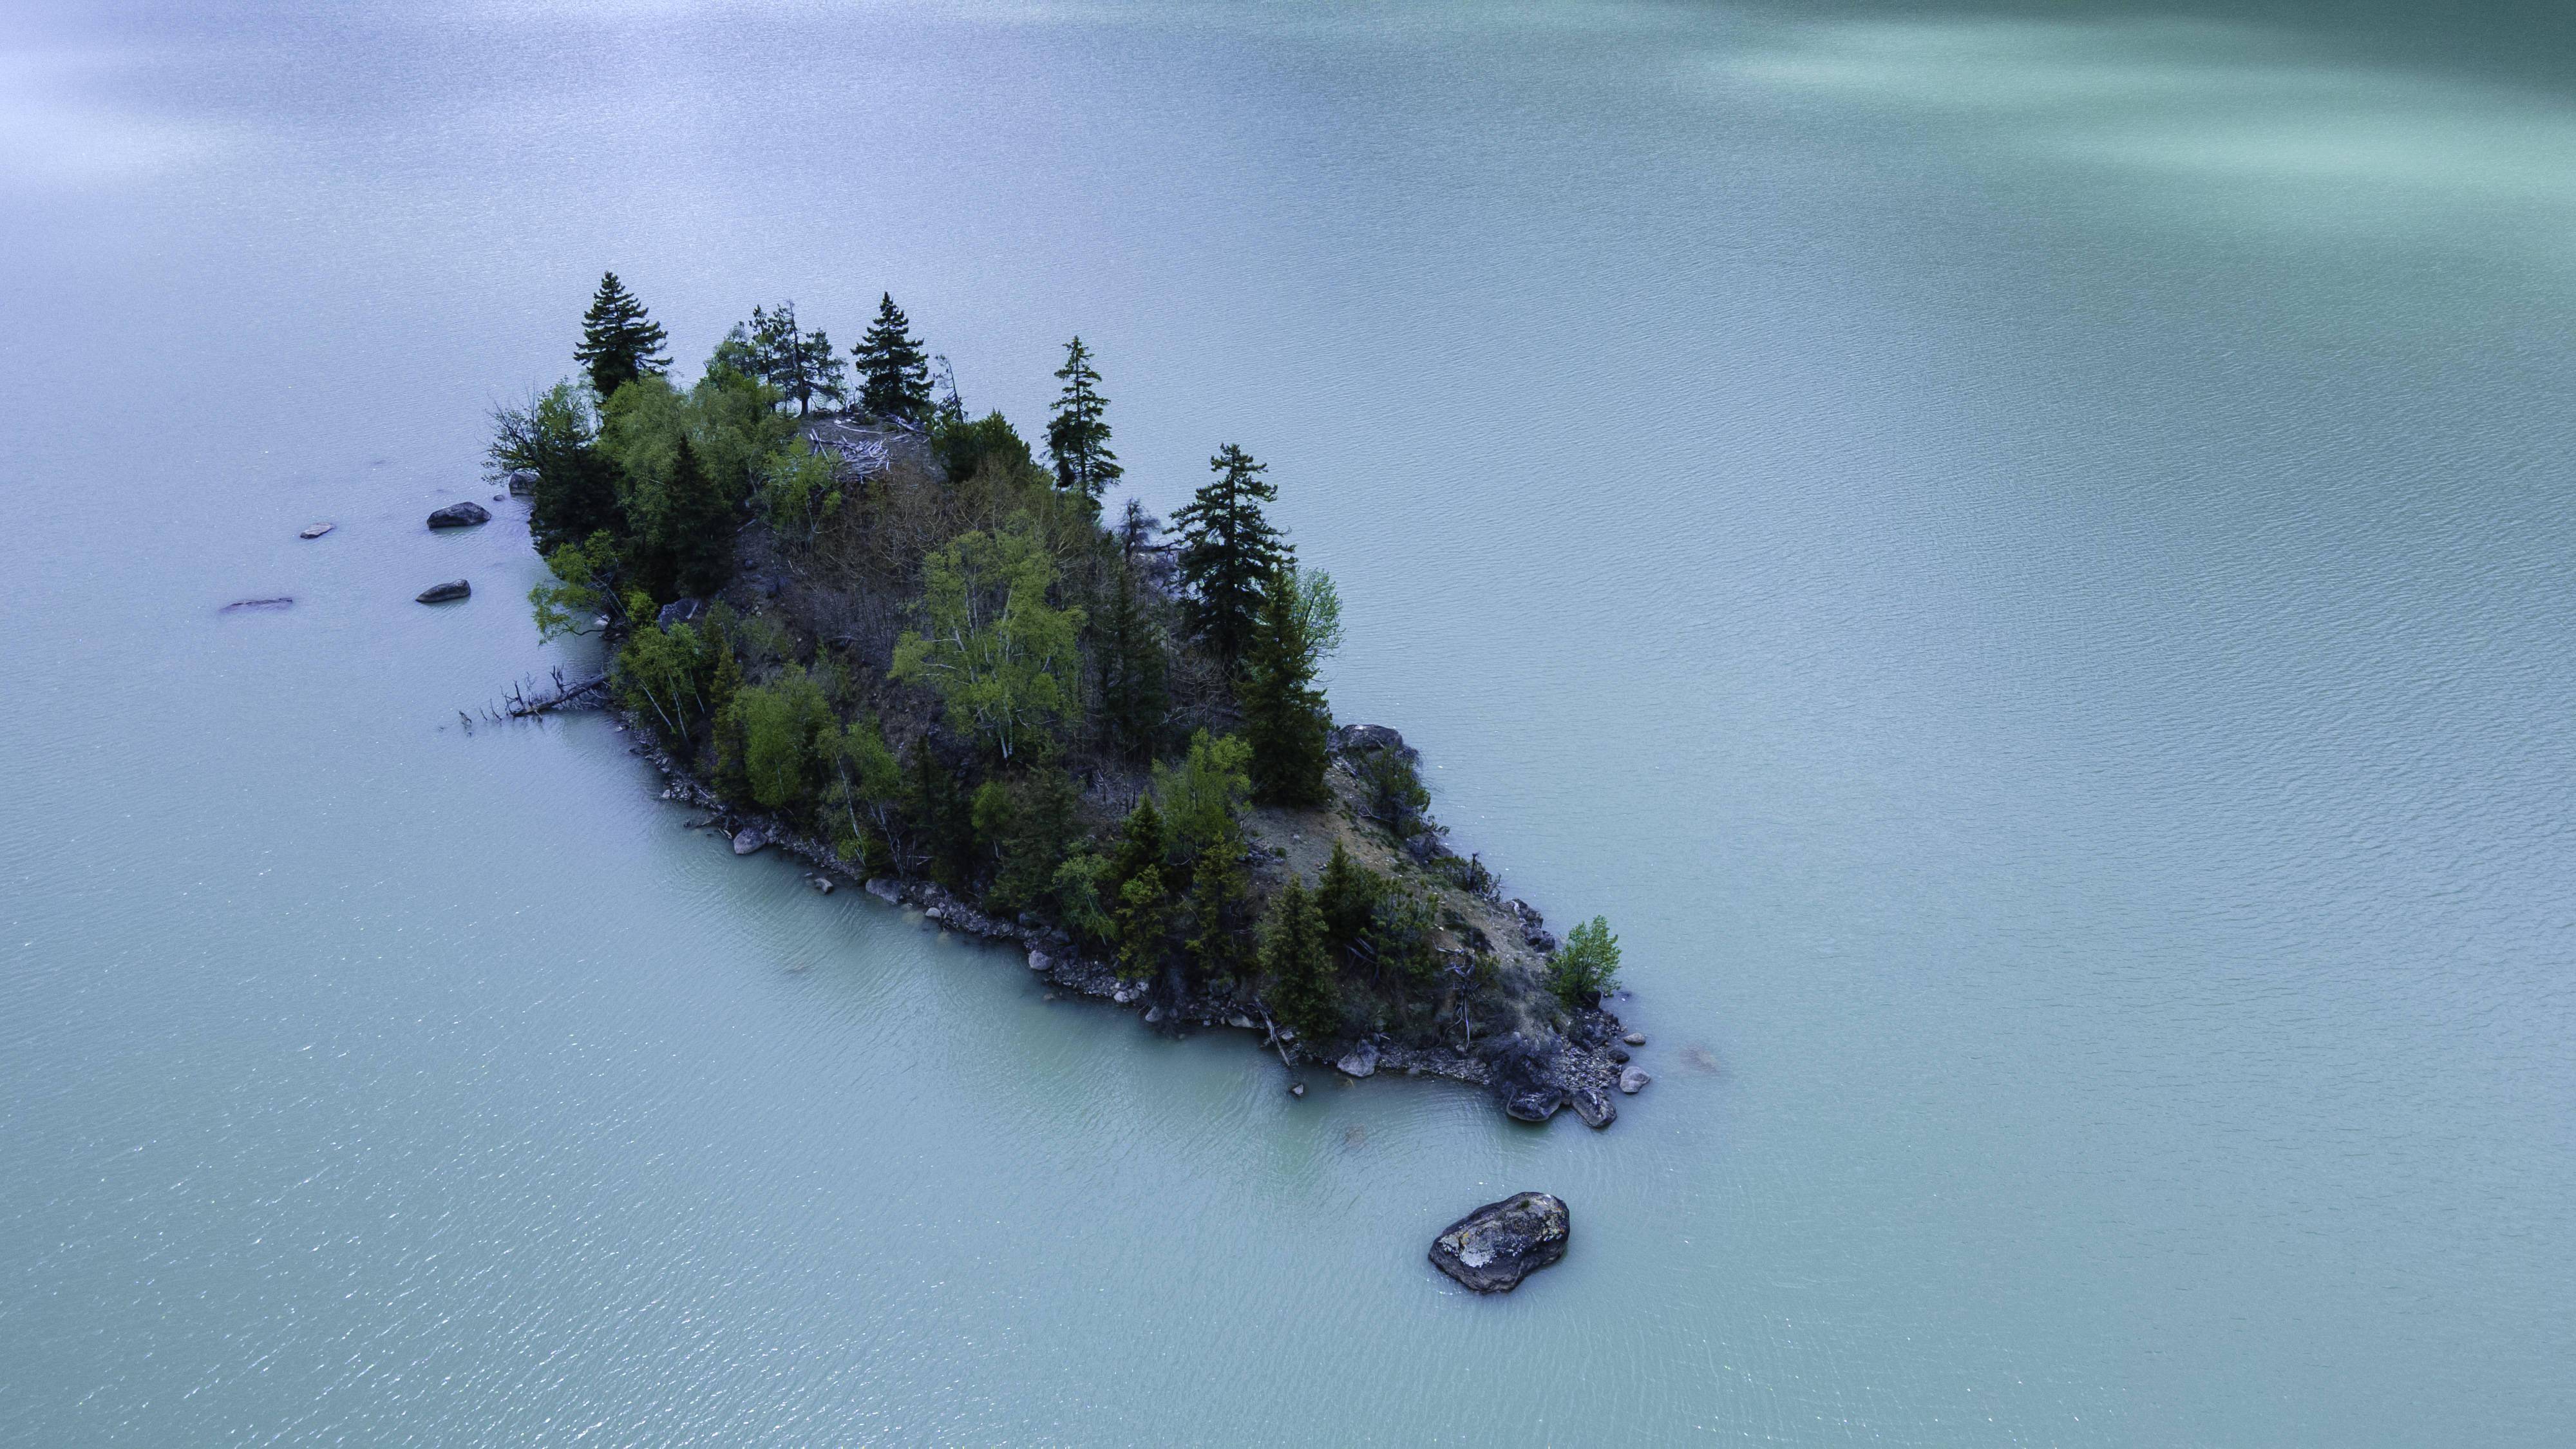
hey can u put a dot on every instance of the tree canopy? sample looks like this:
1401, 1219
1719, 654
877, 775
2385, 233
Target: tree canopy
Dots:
894, 373
1229, 551
1001, 658
619, 341
1078, 432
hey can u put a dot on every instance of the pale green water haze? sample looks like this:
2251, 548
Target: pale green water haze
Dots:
2023, 558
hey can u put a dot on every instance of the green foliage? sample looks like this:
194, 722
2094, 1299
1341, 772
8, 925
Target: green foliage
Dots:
1392, 793
680, 511
664, 674
799, 493
1128, 654
1144, 924
865, 783
1144, 843
1220, 897
1084, 898
1229, 551
1297, 962
800, 365
1078, 432
1000, 657
966, 448
1347, 897
619, 341
894, 376
556, 436
1027, 825
584, 588
788, 738
940, 817
1202, 796
1284, 716
1399, 942
1586, 966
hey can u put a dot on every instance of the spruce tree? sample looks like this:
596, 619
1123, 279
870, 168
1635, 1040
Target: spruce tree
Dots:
1284, 718
1129, 655
696, 527
619, 341
798, 363
1142, 844
1229, 551
1219, 893
894, 374
1077, 434
942, 816
1144, 922
1346, 898
1298, 965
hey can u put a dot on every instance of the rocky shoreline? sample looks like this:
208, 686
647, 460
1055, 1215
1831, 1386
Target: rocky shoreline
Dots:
1585, 1069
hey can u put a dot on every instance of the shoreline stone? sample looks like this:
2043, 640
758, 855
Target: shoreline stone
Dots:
1493, 1248
460, 515
446, 593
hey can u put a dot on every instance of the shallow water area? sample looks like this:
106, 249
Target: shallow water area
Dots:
2023, 560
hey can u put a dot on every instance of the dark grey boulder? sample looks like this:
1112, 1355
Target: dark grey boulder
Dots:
1534, 1105
1368, 739
460, 515
1594, 1106
522, 481
1522, 1072
1359, 1061
446, 593
1493, 1248
749, 839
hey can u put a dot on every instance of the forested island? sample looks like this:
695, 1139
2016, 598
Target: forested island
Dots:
864, 626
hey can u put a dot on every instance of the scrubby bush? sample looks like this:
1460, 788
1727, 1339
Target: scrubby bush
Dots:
1587, 965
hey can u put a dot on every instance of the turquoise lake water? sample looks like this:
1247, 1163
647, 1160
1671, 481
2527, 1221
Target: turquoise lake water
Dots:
2023, 557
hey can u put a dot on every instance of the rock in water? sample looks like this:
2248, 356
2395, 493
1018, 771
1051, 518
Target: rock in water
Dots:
460, 515
1594, 1106
1635, 1038
885, 890
522, 481
748, 839
1633, 1081
1535, 1105
1493, 1248
1361, 1061
1040, 961
446, 593
316, 530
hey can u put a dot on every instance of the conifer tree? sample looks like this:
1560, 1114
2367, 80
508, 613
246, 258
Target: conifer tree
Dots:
1142, 844
1144, 921
1219, 896
1129, 656
798, 363
1346, 898
1298, 965
619, 341
894, 374
1229, 551
1284, 718
942, 816
1078, 434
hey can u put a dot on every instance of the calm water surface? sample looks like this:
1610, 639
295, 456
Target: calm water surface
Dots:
2024, 561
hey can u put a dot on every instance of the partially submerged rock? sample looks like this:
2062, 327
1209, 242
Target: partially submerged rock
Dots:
446, 593
1594, 1106
1493, 1248
884, 890
282, 601
1633, 1081
460, 515
522, 481
749, 839
1040, 961
1635, 1038
316, 530
1359, 1061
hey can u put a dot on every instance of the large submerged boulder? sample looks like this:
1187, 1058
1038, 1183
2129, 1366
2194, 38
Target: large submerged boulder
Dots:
460, 515
446, 593
1493, 1248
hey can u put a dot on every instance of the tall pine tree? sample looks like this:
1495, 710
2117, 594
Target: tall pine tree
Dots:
1298, 964
798, 363
894, 374
1284, 718
1128, 653
1078, 434
619, 341
1229, 551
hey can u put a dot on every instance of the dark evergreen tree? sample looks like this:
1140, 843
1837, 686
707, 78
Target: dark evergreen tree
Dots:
1229, 551
1297, 963
1284, 718
696, 527
1346, 897
798, 363
1144, 923
619, 341
1078, 434
1038, 830
894, 375
1133, 681
1220, 895
941, 815
1143, 842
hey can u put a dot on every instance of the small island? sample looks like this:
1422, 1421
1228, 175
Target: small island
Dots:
862, 626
